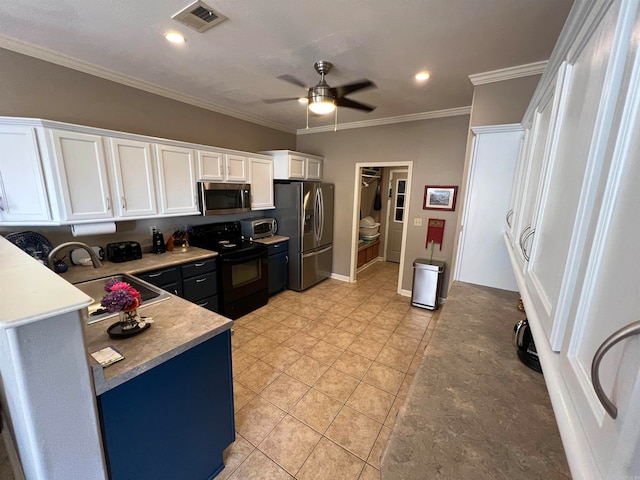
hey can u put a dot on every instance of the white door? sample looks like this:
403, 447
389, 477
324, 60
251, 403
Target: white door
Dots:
314, 169
397, 214
82, 174
482, 258
609, 296
176, 180
297, 170
23, 196
261, 177
210, 165
133, 174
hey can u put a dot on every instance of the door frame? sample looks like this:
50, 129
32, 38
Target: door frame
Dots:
356, 216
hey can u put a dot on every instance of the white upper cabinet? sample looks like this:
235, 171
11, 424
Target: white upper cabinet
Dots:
221, 167
290, 165
23, 196
81, 171
176, 180
261, 179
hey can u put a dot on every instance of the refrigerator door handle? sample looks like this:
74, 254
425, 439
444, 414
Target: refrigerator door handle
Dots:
316, 216
318, 252
321, 209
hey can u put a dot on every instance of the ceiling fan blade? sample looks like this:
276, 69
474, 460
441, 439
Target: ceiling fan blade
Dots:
345, 102
348, 88
278, 100
294, 80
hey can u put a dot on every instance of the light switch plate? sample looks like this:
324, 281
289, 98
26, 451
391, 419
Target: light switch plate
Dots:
417, 222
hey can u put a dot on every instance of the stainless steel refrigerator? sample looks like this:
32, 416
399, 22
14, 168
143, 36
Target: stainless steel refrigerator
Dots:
304, 211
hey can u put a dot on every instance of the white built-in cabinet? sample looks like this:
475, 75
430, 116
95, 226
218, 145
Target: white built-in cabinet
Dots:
80, 170
23, 195
261, 179
132, 170
176, 169
54, 173
221, 167
289, 165
574, 234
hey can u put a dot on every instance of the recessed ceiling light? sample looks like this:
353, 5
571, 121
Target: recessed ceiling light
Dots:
174, 37
303, 100
422, 76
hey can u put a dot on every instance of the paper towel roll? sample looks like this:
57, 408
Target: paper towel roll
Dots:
83, 229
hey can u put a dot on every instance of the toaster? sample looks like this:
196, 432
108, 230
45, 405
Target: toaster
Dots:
123, 251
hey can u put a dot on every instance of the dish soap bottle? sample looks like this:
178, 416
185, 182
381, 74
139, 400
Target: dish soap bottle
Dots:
158, 242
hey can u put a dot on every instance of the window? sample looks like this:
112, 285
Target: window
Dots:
399, 206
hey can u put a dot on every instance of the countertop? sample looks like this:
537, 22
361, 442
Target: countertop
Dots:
177, 325
474, 410
272, 240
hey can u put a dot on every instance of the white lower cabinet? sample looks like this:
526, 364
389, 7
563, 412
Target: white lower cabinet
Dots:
81, 175
261, 179
132, 170
23, 195
176, 180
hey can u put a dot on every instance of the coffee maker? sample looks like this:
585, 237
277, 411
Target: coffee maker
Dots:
158, 242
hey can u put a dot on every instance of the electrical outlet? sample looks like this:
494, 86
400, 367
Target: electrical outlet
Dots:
152, 229
417, 222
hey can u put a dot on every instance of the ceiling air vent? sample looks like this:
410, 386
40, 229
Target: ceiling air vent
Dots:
199, 16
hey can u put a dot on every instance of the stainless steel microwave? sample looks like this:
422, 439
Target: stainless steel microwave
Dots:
222, 198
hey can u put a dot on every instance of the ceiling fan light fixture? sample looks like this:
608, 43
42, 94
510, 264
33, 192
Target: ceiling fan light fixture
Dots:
304, 100
322, 107
422, 76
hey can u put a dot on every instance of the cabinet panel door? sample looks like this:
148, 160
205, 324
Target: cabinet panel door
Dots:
82, 175
177, 180
314, 169
210, 166
609, 298
133, 172
297, 168
261, 177
593, 83
236, 168
22, 188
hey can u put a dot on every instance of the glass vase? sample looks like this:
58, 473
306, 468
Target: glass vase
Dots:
129, 320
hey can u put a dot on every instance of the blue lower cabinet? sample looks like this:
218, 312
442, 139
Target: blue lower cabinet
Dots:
174, 421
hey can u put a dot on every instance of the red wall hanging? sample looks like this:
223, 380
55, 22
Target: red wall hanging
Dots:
435, 231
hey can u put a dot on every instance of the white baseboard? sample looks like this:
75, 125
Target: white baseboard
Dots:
342, 278
405, 293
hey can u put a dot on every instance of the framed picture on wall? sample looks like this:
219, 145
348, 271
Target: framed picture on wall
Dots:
440, 198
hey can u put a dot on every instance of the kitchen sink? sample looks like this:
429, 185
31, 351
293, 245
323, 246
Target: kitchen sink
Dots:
95, 289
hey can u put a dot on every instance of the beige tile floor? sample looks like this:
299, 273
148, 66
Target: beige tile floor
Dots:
319, 377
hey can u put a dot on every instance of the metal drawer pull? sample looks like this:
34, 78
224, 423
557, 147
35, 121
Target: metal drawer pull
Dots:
203, 304
524, 247
198, 264
619, 335
508, 217
200, 280
154, 275
522, 233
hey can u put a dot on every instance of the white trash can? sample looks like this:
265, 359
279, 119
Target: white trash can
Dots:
427, 283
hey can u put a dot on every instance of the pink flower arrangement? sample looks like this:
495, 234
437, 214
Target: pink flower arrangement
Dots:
120, 297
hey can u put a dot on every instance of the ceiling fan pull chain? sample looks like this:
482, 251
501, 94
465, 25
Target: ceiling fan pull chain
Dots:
335, 121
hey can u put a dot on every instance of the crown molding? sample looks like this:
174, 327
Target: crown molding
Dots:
509, 73
508, 127
451, 112
85, 67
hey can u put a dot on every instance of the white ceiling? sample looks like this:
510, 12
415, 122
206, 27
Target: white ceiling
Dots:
234, 66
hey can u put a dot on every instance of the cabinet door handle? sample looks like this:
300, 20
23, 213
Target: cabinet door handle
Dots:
204, 304
525, 254
508, 218
286, 258
617, 336
200, 280
124, 205
154, 275
199, 264
108, 203
1, 204
522, 233
175, 291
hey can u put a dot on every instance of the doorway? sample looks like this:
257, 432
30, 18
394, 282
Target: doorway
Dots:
387, 166
396, 213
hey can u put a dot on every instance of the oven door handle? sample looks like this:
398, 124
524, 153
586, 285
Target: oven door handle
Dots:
313, 254
243, 259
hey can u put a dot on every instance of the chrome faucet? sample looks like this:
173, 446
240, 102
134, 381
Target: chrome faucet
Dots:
94, 258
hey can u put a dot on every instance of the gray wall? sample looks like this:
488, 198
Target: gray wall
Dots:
436, 148
34, 88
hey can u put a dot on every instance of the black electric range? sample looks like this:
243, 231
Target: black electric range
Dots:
243, 276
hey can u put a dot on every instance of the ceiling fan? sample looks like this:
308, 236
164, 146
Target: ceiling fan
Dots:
323, 98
